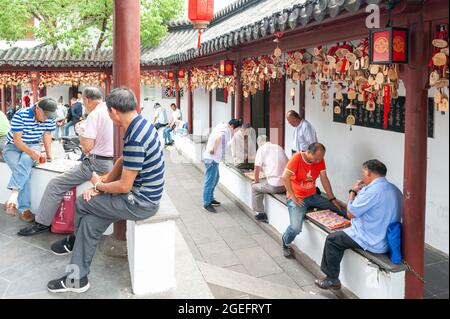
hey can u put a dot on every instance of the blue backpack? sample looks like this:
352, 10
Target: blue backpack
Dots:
394, 237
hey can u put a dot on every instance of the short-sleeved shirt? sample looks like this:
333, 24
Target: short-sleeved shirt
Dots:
273, 160
376, 207
176, 115
304, 136
32, 131
161, 116
100, 128
4, 124
143, 152
305, 175
223, 132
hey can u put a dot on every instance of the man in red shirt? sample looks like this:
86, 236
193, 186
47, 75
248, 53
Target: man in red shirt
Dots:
300, 178
26, 100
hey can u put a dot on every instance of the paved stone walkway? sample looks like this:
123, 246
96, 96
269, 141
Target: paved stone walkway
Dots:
230, 239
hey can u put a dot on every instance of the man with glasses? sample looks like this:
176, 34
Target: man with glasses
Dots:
97, 144
29, 127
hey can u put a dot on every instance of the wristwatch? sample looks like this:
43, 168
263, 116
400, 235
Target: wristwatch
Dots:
352, 191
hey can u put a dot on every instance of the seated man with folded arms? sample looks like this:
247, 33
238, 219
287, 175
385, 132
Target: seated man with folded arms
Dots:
270, 160
131, 191
98, 148
300, 178
374, 203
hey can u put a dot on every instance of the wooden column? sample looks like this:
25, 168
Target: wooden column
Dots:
190, 106
238, 112
246, 110
277, 104
415, 161
13, 96
126, 68
3, 97
177, 94
302, 97
35, 87
107, 85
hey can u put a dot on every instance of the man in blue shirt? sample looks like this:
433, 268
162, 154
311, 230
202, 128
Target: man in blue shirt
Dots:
373, 205
131, 191
76, 111
29, 127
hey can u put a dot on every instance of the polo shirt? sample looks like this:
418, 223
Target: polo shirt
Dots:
304, 136
24, 121
143, 152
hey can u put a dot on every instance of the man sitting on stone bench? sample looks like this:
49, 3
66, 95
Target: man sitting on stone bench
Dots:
131, 191
300, 178
373, 204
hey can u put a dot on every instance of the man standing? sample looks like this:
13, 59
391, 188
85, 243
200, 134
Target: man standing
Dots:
4, 129
26, 100
271, 160
160, 120
131, 191
98, 148
304, 132
373, 204
76, 110
61, 118
29, 127
214, 154
176, 118
300, 178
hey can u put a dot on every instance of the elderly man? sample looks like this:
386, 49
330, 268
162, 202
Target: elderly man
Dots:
29, 127
374, 203
271, 160
131, 191
300, 178
304, 132
98, 148
215, 152
160, 120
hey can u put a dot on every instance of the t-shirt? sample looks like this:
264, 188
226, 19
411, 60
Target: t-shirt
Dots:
143, 152
100, 128
305, 175
26, 101
25, 122
224, 132
176, 115
161, 116
304, 136
4, 124
61, 113
273, 160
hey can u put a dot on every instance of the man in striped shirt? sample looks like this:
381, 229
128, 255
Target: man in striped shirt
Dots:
131, 191
29, 127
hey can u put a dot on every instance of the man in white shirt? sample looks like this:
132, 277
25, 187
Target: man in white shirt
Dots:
304, 132
176, 118
270, 160
243, 147
160, 120
214, 154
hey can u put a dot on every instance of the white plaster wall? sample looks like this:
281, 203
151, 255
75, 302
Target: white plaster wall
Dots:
184, 107
201, 111
347, 150
221, 111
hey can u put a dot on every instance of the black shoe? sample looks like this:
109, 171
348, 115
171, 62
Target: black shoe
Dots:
65, 284
210, 209
261, 217
216, 203
328, 283
34, 229
63, 247
287, 251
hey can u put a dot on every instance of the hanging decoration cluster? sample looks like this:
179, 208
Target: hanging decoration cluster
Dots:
209, 79
439, 64
50, 79
257, 71
14, 78
156, 78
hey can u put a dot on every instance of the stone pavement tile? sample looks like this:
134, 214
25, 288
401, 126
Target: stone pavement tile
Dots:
10, 225
5, 240
436, 278
250, 285
281, 279
433, 257
444, 295
269, 245
222, 220
237, 238
225, 293
43, 241
296, 271
257, 262
218, 253
4, 285
250, 226
202, 233
316, 291
189, 241
238, 268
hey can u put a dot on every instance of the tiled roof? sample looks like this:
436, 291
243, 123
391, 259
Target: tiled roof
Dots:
46, 56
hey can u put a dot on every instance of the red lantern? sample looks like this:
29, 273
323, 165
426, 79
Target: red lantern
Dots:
226, 67
201, 12
389, 46
170, 75
181, 73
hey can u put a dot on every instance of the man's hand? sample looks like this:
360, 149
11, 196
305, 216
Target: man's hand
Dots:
87, 195
336, 203
212, 152
95, 178
298, 201
35, 155
358, 186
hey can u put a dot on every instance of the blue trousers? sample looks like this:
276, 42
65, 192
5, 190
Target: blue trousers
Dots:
211, 180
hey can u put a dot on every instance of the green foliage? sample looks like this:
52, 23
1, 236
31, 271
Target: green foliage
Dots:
81, 24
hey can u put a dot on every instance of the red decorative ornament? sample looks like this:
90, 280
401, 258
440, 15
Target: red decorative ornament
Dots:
387, 104
181, 73
201, 12
389, 46
171, 75
226, 68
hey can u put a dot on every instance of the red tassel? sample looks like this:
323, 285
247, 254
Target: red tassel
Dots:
225, 93
199, 45
387, 105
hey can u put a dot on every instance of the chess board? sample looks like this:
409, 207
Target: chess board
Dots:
328, 219
251, 175
58, 166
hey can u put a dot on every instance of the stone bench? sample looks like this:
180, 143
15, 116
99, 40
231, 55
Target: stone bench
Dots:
151, 250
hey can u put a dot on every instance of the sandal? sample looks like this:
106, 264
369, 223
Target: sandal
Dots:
11, 209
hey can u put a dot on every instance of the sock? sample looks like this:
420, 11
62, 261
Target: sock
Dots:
13, 197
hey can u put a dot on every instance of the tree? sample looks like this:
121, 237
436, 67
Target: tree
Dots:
81, 24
